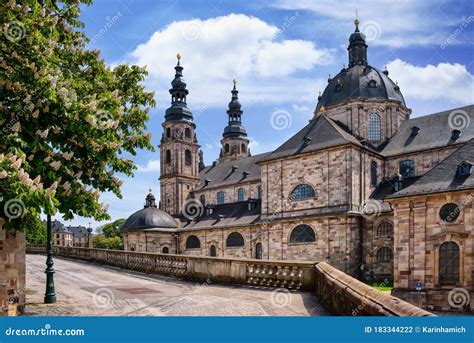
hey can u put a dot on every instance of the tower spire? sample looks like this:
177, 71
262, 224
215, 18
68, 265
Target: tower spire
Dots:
357, 47
179, 92
234, 142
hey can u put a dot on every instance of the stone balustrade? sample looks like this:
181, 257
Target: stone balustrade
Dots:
339, 292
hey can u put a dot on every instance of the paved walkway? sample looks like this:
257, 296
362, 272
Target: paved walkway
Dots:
87, 289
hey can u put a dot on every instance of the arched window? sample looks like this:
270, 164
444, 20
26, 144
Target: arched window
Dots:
220, 197
235, 239
302, 234
407, 168
385, 228
202, 199
384, 254
226, 148
259, 192
374, 127
168, 132
165, 250
373, 174
168, 156
188, 158
258, 251
193, 242
213, 251
240, 194
303, 191
449, 212
187, 132
449, 262
243, 148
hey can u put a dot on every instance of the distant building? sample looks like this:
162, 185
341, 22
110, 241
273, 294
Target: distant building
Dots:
68, 236
80, 236
361, 186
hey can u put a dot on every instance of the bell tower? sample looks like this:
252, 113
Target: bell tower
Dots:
234, 142
179, 149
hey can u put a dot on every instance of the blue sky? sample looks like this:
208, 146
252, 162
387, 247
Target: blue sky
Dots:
281, 53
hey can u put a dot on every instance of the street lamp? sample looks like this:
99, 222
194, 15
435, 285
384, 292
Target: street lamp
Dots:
50, 295
89, 231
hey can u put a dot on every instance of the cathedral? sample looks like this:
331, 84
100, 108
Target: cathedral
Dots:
362, 186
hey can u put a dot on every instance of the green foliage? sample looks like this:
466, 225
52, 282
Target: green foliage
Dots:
36, 232
113, 229
102, 242
67, 121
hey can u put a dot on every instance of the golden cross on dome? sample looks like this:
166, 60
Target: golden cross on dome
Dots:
178, 56
234, 81
356, 21
149, 189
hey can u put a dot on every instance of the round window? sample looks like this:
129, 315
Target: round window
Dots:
449, 212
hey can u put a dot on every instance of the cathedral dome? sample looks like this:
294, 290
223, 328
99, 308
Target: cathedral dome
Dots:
359, 80
150, 218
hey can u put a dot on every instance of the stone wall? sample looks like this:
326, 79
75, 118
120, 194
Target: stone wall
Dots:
419, 233
230, 192
12, 272
340, 293
345, 296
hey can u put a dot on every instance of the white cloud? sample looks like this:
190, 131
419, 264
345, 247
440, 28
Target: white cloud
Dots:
388, 22
152, 166
217, 50
452, 82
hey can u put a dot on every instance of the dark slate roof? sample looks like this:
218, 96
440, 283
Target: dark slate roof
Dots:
78, 231
434, 131
221, 174
150, 218
57, 227
322, 132
233, 214
353, 83
444, 177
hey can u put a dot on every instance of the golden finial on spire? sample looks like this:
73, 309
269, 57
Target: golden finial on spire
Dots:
234, 81
149, 189
178, 56
356, 21
322, 109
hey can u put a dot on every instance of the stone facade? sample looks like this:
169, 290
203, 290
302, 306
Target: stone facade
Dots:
12, 272
418, 236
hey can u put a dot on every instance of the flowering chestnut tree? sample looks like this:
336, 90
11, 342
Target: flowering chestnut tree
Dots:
68, 122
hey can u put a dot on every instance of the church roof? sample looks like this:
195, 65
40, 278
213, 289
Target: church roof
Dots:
359, 82
231, 172
227, 215
320, 133
432, 131
150, 218
445, 176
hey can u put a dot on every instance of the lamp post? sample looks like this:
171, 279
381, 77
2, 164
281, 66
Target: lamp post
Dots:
89, 231
50, 295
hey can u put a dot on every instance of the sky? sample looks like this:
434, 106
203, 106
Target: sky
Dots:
281, 52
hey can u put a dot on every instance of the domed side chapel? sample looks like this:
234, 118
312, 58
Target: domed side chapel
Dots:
362, 186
